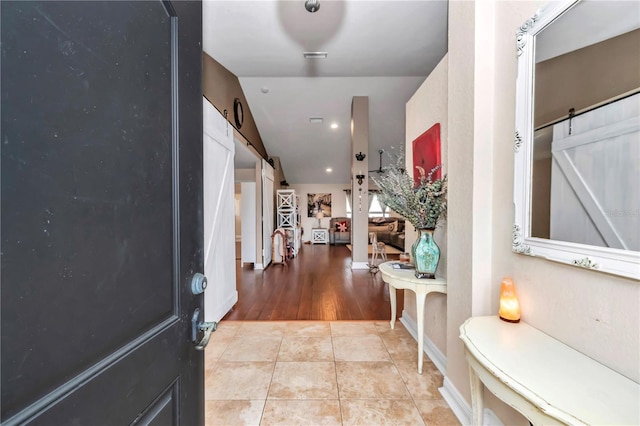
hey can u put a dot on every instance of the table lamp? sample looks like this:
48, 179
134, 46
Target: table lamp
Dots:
320, 215
509, 306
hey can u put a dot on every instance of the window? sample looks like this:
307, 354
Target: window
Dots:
375, 208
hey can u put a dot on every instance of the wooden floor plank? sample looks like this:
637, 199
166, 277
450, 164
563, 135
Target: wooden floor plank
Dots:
316, 285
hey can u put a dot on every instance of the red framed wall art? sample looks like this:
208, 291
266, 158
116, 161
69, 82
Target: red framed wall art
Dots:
426, 153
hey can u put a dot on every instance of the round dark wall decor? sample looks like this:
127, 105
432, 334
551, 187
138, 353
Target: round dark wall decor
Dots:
238, 113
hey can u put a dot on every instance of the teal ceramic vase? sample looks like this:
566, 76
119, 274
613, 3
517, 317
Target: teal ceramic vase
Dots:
413, 249
426, 254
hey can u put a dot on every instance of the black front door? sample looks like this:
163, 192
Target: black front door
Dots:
101, 145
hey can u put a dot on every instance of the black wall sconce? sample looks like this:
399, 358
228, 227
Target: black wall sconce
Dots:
312, 5
360, 178
360, 156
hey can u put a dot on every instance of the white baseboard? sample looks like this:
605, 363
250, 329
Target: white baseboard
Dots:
491, 419
432, 351
461, 409
456, 402
359, 265
258, 266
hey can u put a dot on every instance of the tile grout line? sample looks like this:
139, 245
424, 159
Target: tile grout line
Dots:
404, 382
335, 370
266, 397
395, 364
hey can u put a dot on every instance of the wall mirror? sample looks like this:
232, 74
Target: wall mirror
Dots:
577, 138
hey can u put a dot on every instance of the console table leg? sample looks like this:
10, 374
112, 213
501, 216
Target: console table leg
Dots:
392, 299
420, 298
477, 397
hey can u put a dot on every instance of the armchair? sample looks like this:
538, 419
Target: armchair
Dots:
340, 230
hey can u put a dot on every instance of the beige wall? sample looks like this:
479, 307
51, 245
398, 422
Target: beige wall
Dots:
244, 175
595, 313
427, 107
278, 174
338, 203
460, 196
541, 198
590, 311
359, 218
237, 210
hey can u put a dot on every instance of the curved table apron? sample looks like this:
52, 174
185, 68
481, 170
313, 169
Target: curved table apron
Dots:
405, 279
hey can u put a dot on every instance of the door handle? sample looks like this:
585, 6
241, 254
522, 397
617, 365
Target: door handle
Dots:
197, 326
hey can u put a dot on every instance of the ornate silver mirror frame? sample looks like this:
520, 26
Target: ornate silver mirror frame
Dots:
610, 260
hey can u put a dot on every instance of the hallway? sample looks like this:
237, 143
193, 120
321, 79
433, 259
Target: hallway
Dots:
318, 284
312, 373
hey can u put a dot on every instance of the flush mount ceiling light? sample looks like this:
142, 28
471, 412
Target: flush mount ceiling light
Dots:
315, 55
329, 169
316, 120
312, 5
334, 125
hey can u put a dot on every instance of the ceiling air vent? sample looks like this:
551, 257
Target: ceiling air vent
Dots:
315, 55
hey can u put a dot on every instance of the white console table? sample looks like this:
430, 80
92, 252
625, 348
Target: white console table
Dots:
405, 279
319, 236
544, 379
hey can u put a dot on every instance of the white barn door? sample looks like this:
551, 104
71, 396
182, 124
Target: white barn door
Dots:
219, 215
595, 183
267, 211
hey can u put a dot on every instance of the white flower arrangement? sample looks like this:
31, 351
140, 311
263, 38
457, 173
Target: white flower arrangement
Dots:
423, 203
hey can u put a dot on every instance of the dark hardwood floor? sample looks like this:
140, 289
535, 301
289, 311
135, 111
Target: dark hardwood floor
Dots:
318, 284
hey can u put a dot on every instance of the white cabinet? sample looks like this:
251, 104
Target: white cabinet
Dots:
319, 236
288, 216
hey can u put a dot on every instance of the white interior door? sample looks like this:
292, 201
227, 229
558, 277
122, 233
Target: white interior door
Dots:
219, 216
267, 211
248, 217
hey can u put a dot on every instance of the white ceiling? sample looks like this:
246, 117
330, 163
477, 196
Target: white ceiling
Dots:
380, 49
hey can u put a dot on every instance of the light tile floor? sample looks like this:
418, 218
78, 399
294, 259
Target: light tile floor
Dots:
319, 373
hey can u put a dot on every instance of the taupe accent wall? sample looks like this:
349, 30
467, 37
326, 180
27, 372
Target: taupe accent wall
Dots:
587, 77
221, 87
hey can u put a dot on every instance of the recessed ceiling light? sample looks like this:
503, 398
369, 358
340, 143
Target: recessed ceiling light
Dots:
315, 55
329, 169
334, 125
316, 120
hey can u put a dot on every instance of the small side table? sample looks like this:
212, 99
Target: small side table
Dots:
319, 235
544, 379
405, 279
